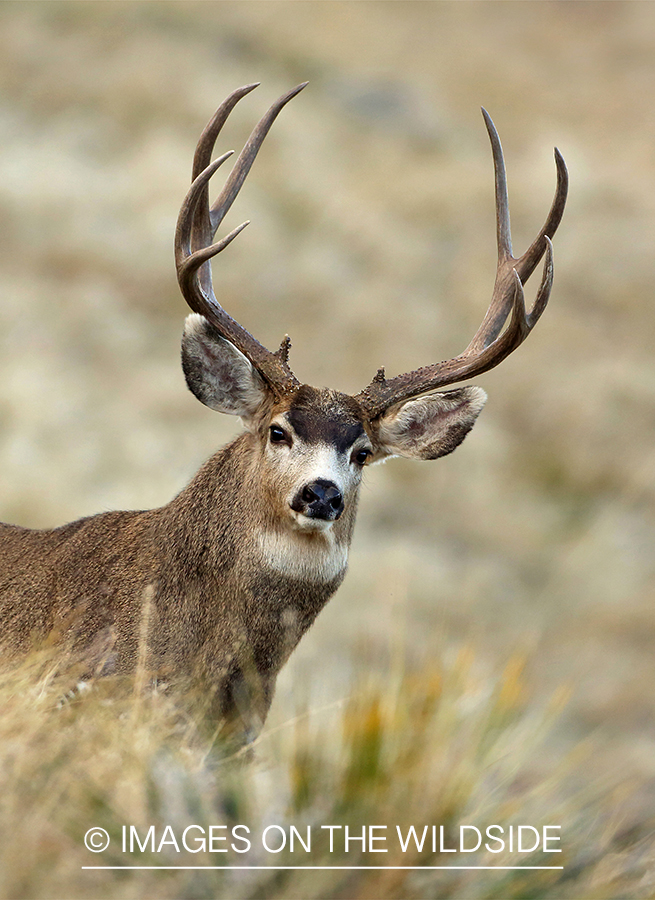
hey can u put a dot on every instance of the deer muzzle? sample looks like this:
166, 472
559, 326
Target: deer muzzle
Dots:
320, 499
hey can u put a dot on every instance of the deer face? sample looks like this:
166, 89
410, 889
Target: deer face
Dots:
315, 442
316, 448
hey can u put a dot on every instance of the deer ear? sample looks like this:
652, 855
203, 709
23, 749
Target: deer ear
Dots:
217, 373
430, 426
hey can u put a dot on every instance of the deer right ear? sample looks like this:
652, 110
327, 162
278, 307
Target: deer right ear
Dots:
430, 426
217, 373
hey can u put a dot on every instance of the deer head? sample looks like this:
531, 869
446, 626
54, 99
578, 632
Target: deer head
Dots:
316, 441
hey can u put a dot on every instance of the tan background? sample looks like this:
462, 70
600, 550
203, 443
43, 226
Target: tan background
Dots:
372, 242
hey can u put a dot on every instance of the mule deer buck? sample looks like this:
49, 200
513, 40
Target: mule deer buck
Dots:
229, 575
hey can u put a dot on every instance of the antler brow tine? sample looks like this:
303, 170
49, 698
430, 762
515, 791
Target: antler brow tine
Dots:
198, 222
490, 344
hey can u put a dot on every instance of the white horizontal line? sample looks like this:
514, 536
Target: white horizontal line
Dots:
339, 868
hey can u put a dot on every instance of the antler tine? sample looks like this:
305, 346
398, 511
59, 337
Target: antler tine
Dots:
525, 265
209, 136
201, 233
490, 344
247, 156
197, 223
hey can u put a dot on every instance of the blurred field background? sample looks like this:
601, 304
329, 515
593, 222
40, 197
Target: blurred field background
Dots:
371, 243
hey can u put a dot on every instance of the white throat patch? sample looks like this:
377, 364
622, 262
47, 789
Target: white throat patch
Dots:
317, 558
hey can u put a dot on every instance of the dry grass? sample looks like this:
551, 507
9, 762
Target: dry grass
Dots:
438, 745
371, 243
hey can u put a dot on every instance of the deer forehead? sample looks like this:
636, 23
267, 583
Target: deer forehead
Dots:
316, 427
322, 416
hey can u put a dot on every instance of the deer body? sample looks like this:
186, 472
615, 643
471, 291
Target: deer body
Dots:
221, 583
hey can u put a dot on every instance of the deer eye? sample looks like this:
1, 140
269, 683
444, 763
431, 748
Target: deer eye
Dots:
361, 456
279, 435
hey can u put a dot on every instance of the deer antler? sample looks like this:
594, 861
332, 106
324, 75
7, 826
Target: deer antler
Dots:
489, 346
197, 224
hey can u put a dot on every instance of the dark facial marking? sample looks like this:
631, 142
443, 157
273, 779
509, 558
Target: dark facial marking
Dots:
331, 427
313, 427
322, 415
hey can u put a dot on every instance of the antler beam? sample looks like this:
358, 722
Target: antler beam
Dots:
490, 344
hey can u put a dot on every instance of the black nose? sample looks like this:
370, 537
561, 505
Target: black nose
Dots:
320, 499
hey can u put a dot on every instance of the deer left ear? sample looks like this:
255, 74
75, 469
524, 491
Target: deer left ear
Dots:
217, 373
430, 426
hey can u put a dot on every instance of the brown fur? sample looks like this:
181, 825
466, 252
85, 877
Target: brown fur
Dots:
215, 611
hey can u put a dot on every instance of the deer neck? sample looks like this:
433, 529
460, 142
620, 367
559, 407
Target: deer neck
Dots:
222, 518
